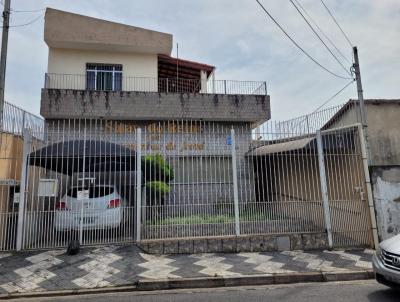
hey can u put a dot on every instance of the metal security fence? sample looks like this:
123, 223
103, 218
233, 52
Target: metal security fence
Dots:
164, 85
13, 121
80, 185
16, 119
105, 181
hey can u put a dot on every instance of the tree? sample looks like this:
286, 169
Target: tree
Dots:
157, 175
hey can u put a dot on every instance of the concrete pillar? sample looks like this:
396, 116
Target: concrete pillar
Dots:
203, 81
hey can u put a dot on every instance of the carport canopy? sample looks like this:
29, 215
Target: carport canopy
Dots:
76, 156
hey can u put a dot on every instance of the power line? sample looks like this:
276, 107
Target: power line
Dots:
28, 11
28, 23
326, 102
322, 32
337, 23
298, 46
319, 37
335, 95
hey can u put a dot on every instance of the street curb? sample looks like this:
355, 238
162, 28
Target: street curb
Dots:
213, 282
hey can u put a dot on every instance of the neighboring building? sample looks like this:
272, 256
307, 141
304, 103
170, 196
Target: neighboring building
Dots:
384, 148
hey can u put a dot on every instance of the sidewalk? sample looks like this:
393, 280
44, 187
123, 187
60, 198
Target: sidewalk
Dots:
117, 266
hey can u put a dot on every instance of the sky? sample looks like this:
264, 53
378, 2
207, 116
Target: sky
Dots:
237, 37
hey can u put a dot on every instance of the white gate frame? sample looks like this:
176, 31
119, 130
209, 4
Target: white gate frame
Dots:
138, 183
235, 183
324, 188
364, 157
23, 187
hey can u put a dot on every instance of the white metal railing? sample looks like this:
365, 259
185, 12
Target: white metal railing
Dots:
15, 119
147, 84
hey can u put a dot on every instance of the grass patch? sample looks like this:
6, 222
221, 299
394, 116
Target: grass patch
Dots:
214, 219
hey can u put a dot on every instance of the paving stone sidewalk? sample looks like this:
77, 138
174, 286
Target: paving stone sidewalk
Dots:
125, 265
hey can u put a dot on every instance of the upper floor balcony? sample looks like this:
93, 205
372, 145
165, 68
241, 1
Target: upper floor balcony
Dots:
114, 96
114, 81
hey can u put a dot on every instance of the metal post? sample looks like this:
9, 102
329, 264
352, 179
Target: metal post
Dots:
213, 81
138, 183
324, 188
3, 59
225, 86
235, 183
23, 119
23, 187
83, 185
371, 204
167, 86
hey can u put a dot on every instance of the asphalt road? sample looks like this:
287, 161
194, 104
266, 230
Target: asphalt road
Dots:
359, 291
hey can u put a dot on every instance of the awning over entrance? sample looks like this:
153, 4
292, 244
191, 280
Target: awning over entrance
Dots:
340, 140
282, 147
77, 156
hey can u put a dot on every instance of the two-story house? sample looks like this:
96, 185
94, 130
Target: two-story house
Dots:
106, 80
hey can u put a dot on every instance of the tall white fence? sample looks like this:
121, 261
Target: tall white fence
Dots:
101, 181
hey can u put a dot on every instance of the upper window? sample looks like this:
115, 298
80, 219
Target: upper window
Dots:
103, 77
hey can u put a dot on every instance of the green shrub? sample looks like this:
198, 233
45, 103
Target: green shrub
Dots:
158, 188
155, 168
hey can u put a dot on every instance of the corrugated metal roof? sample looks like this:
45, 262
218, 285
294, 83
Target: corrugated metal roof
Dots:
282, 147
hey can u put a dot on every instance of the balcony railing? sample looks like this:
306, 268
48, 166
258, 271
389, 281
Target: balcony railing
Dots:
143, 84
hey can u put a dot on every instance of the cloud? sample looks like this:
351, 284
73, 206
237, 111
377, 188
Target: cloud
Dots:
239, 39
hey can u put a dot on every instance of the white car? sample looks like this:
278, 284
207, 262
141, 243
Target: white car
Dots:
95, 207
386, 262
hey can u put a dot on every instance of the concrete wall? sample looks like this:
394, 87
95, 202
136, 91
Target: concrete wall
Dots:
142, 106
67, 68
10, 174
383, 130
10, 156
386, 190
232, 244
68, 30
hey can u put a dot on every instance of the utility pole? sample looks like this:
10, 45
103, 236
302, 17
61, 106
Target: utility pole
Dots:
3, 59
366, 155
357, 72
360, 92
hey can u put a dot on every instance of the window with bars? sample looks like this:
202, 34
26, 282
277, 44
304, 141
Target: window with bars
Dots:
104, 77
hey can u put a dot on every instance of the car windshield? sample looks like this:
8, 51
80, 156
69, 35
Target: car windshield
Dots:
94, 192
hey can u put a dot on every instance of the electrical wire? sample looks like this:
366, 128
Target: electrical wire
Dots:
337, 23
28, 11
298, 46
26, 24
335, 95
326, 102
322, 32
319, 37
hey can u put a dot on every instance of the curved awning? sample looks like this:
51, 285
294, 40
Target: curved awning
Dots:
75, 156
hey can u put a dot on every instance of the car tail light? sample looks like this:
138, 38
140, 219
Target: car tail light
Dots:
115, 203
61, 206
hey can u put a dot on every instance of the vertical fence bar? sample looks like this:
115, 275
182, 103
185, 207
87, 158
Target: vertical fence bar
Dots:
324, 188
371, 204
235, 183
24, 178
138, 183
